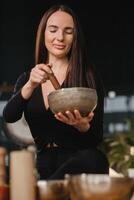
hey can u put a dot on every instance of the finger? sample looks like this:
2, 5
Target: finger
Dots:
37, 76
70, 115
40, 66
90, 116
61, 117
40, 74
39, 70
43, 67
57, 117
50, 65
47, 68
77, 114
43, 81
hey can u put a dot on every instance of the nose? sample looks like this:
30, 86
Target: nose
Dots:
60, 35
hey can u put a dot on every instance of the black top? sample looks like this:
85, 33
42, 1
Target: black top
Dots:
45, 128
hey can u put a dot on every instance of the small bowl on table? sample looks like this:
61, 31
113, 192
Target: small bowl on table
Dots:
75, 98
52, 190
100, 187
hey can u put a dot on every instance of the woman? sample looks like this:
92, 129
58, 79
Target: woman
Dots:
65, 143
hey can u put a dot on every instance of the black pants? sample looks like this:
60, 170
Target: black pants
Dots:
56, 162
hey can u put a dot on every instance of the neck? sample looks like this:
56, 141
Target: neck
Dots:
58, 63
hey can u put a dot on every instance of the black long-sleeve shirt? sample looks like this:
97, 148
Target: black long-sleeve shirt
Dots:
45, 128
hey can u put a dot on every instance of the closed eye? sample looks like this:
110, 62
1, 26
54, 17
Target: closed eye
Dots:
69, 30
52, 28
52, 31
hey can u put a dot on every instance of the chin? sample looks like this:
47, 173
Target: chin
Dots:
60, 55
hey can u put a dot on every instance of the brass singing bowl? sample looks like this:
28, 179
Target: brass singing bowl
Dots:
75, 98
100, 187
52, 190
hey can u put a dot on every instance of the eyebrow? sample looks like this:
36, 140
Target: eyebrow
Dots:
54, 26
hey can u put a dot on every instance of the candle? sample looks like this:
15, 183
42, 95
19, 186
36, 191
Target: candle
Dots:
4, 189
22, 178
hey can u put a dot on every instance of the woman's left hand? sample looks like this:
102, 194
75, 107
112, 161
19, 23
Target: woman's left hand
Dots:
75, 119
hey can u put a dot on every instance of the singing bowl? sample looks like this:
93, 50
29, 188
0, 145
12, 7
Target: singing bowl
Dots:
75, 98
100, 187
52, 190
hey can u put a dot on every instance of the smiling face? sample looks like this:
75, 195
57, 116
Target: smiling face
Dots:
59, 34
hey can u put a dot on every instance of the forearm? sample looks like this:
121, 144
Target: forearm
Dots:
27, 90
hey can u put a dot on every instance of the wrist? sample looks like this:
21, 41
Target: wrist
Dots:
30, 85
27, 90
82, 127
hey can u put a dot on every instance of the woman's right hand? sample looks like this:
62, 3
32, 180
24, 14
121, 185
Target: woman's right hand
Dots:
38, 75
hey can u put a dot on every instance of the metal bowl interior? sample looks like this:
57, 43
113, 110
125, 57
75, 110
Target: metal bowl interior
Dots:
102, 187
80, 98
52, 190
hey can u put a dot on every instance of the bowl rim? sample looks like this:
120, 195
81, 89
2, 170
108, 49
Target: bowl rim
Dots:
74, 88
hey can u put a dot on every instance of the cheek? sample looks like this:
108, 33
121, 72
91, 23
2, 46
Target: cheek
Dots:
48, 39
70, 42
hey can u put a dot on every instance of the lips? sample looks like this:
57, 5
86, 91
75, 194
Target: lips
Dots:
57, 46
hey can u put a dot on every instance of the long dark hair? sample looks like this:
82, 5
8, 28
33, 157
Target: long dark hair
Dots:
79, 71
